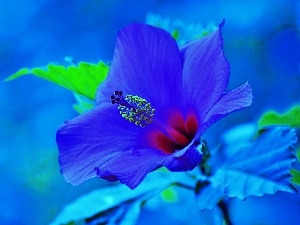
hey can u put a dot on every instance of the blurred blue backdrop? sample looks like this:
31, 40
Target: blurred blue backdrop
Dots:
262, 44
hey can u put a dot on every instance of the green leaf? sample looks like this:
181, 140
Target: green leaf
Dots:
18, 74
169, 195
298, 154
175, 34
292, 118
83, 79
295, 176
82, 104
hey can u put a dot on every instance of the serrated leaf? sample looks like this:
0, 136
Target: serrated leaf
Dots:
291, 118
83, 79
114, 205
252, 169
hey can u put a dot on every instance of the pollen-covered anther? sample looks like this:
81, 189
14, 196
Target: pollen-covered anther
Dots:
133, 108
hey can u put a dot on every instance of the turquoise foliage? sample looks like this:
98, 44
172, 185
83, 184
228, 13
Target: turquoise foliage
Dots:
251, 168
115, 204
183, 32
248, 165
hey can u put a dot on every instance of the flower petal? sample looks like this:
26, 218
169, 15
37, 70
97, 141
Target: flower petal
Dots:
131, 167
231, 101
91, 139
184, 160
205, 71
146, 63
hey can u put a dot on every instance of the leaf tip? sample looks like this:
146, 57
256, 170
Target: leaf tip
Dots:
16, 75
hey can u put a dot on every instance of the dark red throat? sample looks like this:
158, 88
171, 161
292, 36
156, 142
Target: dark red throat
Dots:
179, 134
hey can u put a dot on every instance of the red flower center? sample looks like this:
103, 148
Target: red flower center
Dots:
177, 135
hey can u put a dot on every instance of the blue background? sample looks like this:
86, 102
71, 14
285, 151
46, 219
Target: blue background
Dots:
262, 44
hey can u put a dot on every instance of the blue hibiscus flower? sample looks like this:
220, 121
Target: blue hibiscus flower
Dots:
164, 98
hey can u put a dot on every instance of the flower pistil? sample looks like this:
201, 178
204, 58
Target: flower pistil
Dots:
133, 108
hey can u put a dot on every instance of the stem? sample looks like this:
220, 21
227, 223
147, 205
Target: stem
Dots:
184, 186
203, 166
205, 169
223, 207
